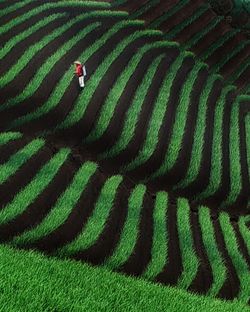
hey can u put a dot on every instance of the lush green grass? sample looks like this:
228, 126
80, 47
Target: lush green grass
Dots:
43, 284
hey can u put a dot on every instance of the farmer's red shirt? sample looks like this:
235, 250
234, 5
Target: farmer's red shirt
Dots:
79, 70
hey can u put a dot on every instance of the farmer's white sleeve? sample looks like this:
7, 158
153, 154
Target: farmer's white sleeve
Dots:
84, 71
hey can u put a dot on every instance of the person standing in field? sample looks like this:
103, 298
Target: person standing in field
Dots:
80, 70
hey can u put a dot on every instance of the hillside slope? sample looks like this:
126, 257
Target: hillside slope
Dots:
146, 170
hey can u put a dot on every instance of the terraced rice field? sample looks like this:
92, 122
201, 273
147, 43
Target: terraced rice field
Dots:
146, 170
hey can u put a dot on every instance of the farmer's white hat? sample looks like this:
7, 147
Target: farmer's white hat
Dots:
77, 62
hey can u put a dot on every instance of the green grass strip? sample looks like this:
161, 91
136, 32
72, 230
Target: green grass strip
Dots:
217, 44
179, 126
63, 207
46, 284
237, 258
44, 70
30, 192
18, 159
6, 137
245, 230
234, 155
108, 109
215, 259
130, 229
190, 260
202, 32
8, 46
87, 3
157, 22
15, 7
157, 116
216, 158
170, 35
85, 97
66, 79
159, 253
199, 134
96, 222
48, 6
133, 112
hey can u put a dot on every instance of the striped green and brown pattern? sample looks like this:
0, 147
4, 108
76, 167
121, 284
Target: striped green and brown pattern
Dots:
68, 207
144, 171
